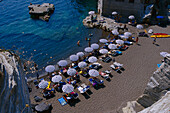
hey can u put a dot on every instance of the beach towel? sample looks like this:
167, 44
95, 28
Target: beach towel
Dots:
62, 101
158, 65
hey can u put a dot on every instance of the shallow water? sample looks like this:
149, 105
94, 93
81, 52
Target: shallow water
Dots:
45, 42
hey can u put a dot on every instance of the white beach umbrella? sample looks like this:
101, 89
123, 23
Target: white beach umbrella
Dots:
56, 78
114, 13
43, 84
91, 12
92, 59
115, 32
103, 41
93, 73
88, 49
71, 71
49, 68
103, 51
62, 63
139, 26
127, 34
131, 17
68, 88
150, 31
95, 46
119, 41
124, 37
82, 64
164, 54
112, 46
74, 58
80, 54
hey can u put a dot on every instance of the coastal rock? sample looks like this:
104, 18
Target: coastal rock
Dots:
104, 23
132, 107
41, 11
161, 106
145, 100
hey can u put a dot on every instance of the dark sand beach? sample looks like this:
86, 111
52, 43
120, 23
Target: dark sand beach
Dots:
139, 61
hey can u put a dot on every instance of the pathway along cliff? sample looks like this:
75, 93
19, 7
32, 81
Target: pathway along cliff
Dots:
14, 95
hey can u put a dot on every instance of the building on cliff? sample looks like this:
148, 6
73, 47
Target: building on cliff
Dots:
133, 7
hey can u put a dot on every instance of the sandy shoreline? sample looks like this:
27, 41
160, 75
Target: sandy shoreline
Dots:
139, 63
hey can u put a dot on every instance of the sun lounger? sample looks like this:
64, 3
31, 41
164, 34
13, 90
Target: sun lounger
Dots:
62, 101
128, 42
116, 66
104, 75
107, 59
92, 82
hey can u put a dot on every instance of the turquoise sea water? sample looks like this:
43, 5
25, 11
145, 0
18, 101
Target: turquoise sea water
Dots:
45, 42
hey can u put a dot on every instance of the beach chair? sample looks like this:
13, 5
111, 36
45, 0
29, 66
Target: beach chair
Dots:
116, 68
92, 82
62, 101
107, 59
124, 47
80, 89
104, 75
128, 42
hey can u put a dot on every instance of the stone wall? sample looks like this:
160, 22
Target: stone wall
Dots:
123, 8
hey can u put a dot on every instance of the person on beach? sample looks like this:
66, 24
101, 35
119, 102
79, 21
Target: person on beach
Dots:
125, 28
35, 66
37, 76
25, 67
137, 39
154, 40
78, 43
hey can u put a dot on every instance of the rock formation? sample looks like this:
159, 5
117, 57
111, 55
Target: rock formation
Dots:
41, 11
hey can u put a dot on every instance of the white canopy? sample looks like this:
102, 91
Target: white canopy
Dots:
112, 46
71, 71
88, 49
93, 73
62, 63
103, 51
68, 88
82, 64
74, 58
43, 84
50, 68
56, 78
95, 46
103, 41
92, 59
131, 17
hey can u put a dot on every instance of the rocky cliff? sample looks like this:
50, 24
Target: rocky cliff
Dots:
14, 95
